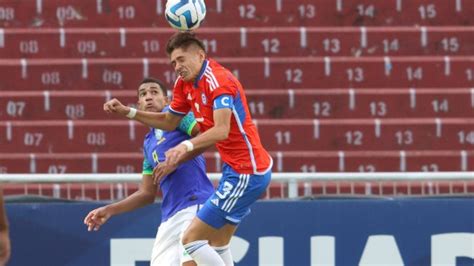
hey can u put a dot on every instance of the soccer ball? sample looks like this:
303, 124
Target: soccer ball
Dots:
185, 14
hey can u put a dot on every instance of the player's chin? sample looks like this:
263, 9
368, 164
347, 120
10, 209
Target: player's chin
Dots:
185, 77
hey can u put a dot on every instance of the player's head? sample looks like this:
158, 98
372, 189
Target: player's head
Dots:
152, 95
187, 53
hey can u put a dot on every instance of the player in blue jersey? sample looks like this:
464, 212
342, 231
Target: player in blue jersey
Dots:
184, 188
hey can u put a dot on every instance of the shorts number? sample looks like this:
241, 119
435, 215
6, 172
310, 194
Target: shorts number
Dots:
225, 190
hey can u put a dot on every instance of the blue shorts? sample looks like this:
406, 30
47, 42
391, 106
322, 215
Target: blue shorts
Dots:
231, 201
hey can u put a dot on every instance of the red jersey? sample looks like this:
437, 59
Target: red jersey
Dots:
242, 150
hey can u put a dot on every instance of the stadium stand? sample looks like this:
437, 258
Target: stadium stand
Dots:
333, 86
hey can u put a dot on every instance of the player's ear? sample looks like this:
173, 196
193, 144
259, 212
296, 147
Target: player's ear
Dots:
202, 54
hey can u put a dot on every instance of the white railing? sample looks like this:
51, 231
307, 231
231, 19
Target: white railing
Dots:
292, 179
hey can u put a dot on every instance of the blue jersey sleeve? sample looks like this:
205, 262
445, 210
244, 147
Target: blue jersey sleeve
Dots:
187, 123
147, 168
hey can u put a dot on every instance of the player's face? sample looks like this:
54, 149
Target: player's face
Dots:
151, 98
187, 63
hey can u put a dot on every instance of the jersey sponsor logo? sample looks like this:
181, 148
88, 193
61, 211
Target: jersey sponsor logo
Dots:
189, 96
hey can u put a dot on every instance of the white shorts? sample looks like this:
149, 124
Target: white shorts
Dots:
168, 250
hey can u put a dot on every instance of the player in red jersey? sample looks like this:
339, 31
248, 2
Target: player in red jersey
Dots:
218, 102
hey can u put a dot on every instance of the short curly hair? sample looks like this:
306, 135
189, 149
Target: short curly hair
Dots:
183, 40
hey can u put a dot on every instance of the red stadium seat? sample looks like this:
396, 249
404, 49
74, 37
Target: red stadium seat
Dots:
283, 161
327, 72
75, 13
360, 103
66, 136
75, 104
255, 41
263, 103
366, 134
287, 135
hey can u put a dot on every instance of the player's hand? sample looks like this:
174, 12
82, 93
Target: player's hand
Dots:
4, 247
173, 155
114, 106
162, 170
96, 218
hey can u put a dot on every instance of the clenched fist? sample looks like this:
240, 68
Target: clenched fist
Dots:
114, 106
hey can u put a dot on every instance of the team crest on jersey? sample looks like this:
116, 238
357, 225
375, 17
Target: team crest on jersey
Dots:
158, 134
203, 98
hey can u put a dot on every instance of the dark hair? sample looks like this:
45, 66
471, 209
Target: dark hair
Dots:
163, 87
183, 39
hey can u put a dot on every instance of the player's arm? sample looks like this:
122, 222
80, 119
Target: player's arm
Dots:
165, 121
222, 114
143, 196
189, 126
4, 233
218, 132
3, 214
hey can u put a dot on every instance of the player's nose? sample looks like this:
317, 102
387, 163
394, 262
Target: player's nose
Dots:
148, 96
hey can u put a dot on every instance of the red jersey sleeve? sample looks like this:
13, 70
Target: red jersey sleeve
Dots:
179, 105
226, 85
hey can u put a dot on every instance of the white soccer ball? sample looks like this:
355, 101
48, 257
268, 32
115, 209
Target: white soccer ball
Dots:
185, 14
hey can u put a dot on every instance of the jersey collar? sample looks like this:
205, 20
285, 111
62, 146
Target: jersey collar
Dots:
201, 73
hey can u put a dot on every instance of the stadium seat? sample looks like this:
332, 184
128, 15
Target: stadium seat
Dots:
254, 41
75, 13
366, 134
297, 72
65, 136
360, 103
295, 161
281, 134
283, 161
73, 104
263, 103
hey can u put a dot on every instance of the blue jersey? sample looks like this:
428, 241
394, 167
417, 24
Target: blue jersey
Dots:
189, 184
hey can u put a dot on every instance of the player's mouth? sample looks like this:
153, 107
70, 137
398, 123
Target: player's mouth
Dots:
149, 107
182, 74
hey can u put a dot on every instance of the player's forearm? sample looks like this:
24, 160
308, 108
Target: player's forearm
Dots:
3, 214
155, 120
189, 155
210, 137
137, 200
